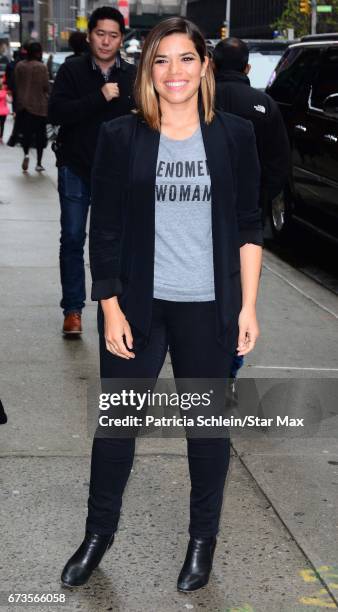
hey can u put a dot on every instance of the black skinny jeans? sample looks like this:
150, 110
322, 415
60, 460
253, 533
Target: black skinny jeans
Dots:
34, 133
189, 330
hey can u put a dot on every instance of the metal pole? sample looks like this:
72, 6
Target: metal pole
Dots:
228, 15
183, 8
313, 16
82, 8
20, 23
37, 19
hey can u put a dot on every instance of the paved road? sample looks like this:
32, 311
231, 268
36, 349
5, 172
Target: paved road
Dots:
309, 253
277, 549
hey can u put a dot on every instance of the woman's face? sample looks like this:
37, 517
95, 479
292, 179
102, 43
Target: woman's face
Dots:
177, 69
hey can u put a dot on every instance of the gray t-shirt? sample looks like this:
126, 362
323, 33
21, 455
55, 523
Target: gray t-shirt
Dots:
184, 270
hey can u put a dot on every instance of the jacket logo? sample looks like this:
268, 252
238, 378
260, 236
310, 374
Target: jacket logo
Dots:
260, 108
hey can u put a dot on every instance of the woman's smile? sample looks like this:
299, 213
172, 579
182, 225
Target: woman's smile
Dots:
175, 84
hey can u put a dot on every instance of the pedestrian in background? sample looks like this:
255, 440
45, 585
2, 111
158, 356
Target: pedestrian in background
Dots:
18, 56
175, 261
50, 66
88, 90
4, 108
78, 44
234, 94
32, 89
10, 75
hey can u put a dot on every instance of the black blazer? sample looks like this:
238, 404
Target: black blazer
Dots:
122, 227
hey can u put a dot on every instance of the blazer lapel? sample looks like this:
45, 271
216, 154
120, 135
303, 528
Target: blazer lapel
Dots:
223, 211
220, 167
222, 188
143, 173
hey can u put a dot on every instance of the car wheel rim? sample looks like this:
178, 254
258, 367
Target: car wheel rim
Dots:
278, 213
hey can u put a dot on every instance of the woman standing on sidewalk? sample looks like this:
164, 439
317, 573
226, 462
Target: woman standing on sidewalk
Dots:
32, 90
175, 232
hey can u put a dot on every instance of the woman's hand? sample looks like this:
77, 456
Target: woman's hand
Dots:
117, 330
248, 330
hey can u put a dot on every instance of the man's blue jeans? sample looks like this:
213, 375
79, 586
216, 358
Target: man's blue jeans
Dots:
74, 201
237, 363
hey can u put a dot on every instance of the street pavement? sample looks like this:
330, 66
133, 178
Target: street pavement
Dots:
278, 544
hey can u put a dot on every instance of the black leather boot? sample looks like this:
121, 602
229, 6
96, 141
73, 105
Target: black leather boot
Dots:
87, 557
197, 565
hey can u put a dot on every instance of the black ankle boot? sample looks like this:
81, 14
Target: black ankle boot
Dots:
87, 557
197, 565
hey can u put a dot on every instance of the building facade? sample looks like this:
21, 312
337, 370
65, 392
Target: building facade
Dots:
208, 15
255, 18
16, 20
53, 20
249, 18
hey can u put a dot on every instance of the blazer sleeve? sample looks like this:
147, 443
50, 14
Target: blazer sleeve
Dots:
249, 215
106, 219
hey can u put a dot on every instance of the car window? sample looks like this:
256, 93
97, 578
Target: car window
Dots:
261, 68
326, 82
293, 71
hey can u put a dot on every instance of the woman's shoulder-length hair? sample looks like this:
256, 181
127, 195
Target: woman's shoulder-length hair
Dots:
147, 100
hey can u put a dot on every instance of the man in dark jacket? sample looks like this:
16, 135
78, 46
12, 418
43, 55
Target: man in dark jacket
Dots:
88, 91
234, 94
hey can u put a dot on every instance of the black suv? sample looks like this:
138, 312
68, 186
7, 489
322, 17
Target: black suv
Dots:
305, 86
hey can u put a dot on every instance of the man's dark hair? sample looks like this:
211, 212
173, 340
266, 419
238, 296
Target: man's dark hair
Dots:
231, 54
78, 42
106, 12
23, 51
34, 51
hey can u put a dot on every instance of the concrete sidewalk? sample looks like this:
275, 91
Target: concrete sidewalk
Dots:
277, 549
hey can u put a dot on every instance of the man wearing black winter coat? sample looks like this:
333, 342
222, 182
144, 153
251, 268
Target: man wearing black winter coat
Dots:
88, 91
234, 94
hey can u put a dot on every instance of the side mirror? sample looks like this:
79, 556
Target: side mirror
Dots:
330, 105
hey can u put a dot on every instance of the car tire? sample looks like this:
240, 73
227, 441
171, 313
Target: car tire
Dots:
281, 216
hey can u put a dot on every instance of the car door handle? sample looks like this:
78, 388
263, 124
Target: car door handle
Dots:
330, 138
300, 128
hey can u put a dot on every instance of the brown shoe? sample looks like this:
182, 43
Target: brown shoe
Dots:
72, 323
25, 163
